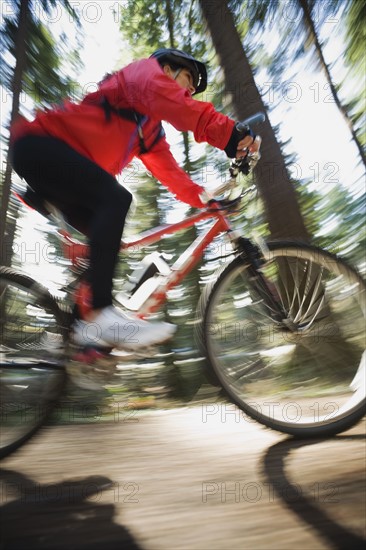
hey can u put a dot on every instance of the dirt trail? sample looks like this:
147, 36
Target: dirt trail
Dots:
193, 478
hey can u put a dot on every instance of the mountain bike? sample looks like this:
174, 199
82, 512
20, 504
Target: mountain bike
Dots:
280, 326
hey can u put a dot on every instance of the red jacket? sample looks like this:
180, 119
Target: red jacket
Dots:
143, 87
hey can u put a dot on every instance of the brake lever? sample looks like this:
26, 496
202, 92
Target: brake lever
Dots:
219, 205
244, 164
237, 166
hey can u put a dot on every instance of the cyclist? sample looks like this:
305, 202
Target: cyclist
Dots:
71, 154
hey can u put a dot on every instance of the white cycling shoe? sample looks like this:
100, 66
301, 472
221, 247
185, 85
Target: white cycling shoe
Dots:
114, 328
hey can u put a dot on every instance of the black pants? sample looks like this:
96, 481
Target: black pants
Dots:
91, 199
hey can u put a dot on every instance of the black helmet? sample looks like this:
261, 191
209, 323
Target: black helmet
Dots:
182, 59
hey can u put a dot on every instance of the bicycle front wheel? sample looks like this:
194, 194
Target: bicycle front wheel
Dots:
305, 374
32, 346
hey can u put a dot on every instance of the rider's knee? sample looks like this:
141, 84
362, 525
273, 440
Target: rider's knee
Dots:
122, 197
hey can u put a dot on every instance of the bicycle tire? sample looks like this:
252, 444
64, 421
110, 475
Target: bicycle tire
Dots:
33, 334
289, 375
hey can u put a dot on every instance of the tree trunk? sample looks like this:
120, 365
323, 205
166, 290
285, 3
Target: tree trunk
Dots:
170, 22
282, 209
20, 56
311, 27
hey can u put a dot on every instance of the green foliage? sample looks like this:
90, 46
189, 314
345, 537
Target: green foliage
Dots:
356, 36
172, 23
355, 56
343, 224
144, 24
32, 64
43, 80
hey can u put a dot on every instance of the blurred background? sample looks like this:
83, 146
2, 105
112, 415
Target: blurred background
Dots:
300, 61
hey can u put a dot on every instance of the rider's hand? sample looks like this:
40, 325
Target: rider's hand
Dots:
247, 159
248, 145
239, 142
206, 197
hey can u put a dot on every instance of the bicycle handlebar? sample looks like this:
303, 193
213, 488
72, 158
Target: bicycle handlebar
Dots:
237, 166
250, 121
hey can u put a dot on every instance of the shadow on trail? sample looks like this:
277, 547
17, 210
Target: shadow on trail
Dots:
63, 515
304, 506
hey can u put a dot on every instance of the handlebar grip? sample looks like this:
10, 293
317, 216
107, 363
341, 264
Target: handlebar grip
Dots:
254, 119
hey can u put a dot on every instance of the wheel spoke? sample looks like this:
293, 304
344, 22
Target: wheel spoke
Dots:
308, 364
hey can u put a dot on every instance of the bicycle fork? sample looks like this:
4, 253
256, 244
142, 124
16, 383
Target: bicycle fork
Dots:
266, 291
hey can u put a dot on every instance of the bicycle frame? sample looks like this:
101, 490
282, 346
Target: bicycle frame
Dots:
75, 250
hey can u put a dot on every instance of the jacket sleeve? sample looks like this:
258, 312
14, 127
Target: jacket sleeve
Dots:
163, 166
144, 86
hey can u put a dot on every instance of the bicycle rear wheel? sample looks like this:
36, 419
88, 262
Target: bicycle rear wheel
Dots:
304, 375
32, 354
